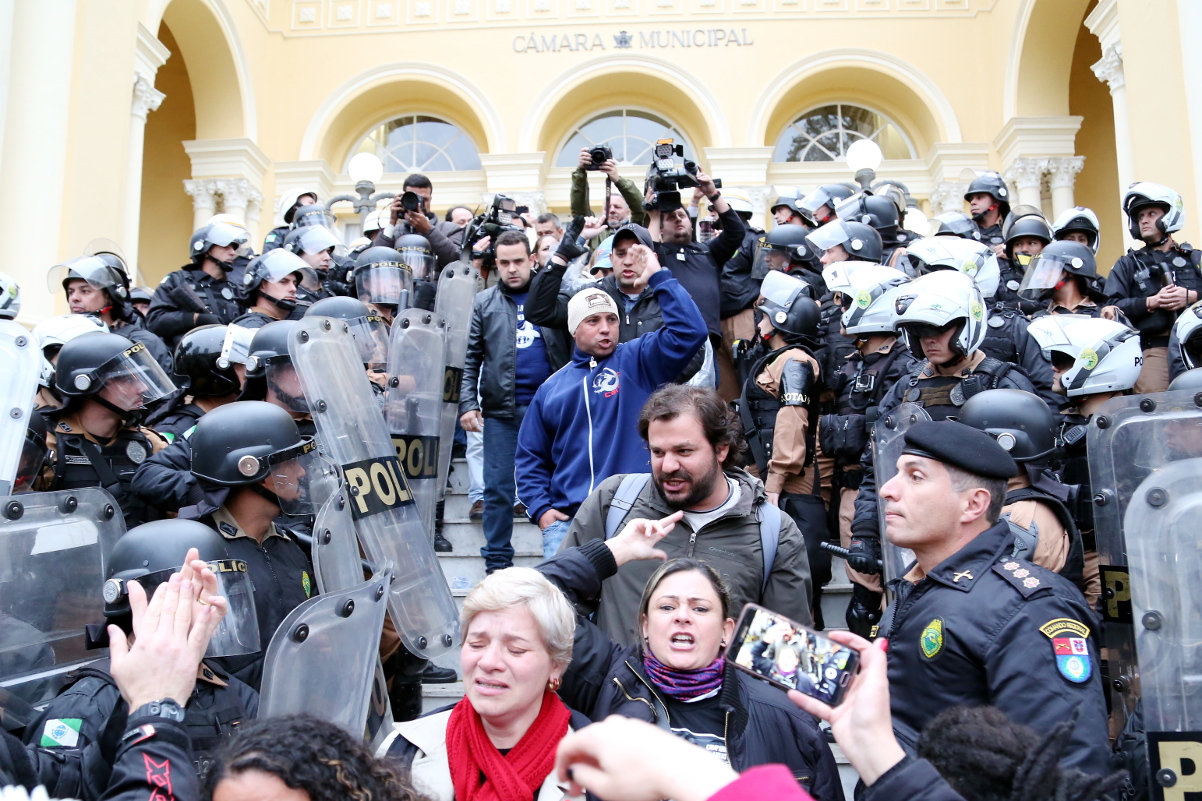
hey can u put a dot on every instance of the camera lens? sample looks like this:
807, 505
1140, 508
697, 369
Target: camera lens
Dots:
411, 201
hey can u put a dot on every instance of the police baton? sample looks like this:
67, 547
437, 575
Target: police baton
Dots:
837, 551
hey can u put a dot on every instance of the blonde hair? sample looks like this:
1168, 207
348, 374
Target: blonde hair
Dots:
552, 613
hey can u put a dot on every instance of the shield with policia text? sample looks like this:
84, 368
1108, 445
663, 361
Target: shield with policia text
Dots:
1130, 441
456, 295
888, 441
53, 552
416, 362
353, 433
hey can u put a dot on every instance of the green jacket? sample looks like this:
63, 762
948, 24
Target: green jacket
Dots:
630, 192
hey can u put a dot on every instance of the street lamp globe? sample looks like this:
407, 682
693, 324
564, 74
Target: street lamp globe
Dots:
916, 221
365, 167
864, 154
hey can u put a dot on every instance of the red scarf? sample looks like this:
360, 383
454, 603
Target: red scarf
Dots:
515, 776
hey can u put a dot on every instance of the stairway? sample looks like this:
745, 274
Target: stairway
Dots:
464, 568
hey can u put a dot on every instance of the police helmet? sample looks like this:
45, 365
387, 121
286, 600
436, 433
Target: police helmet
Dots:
236, 444
1190, 379
292, 201
416, 252
10, 298
790, 309
88, 364
1055, 262
383, 277
968, 256
938, 300
1187, 333
788, 201
1143, 194
220, 234
269, 347
376, 220
861, 242
875, 211
102, 273
140, 294
369, 330
868, 299
954, 223
788, 238
272, 267
1026, 221
198, 363
991, 183
827, 195
54, 332
310, 239
1021, 422
313, 214
1100, 355
1078, 220
740, 202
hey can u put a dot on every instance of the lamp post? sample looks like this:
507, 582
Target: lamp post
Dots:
365, 169
864, 156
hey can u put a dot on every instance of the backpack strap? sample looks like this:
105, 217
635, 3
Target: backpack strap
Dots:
769, 516
619, 506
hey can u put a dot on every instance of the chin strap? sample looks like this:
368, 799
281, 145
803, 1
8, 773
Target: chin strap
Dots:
280, 303
129, 417
264, 493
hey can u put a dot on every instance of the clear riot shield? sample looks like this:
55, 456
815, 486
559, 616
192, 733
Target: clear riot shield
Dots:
22, 360
335, 547
1129, 439
1166, 593
335, 634
416, 371
53, 548
456, 294
353, 433
888, 442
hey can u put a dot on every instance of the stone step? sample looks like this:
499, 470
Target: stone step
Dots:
468, 537
464, 571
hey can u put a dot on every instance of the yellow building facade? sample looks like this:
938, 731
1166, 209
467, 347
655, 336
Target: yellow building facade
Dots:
136, 120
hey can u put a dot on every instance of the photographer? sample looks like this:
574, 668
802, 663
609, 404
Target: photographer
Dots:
625, 201
410, 214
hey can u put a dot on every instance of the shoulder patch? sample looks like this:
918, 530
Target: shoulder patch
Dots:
1070, 645
1018, 573
61, 733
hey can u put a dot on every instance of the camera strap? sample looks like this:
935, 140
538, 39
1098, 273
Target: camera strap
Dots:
609, 188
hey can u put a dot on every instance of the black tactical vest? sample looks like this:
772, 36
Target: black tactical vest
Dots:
942, 396
1000, 331
758, 411
79, 463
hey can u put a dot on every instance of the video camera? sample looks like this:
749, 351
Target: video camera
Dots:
498, 219
667, 177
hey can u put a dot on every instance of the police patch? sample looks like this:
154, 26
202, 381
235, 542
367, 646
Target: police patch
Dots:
308, 585
1070, 646
864, 299
931, 640
1088, 359
136, 452
62, 733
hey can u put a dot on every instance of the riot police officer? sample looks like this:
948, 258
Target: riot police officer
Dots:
1078, 224
200, 293
383, 280
314, 245
778, 407
1043, 528
99, 285
989, 205
219, 703
270, 286
879, 213
290, 203
880, 359
1153, 284
784, 210
51, 334
369, 332
818, 207
253, 465
1064, 279
784, 248
202, 376
108, 382
1026, 233
271, 377
943, 316
840, 240
1185, 343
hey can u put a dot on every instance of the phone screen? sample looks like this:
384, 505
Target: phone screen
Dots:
791, 656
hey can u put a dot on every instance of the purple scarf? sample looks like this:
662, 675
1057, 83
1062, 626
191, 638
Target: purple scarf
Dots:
683, 685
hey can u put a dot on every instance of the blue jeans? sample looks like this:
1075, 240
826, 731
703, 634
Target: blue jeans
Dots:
500, 450
553, 535
475, 466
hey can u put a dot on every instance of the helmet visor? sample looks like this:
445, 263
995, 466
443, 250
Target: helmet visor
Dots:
958, 224
236, 346
371, 337
316, 238
385, 283
421, 262
238, 632
814, 201
223, 234
828, 236
92, 269
1042, 276
131, 380
301, 478
767, 259
275, 264
310, 215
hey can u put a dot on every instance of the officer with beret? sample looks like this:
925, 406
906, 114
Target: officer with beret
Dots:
971, 625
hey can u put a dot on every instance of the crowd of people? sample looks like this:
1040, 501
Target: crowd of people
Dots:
696, 414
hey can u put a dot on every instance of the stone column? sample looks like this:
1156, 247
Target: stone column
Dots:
948, 196
145, 100
1062, 176
236, 196
204, 200
1109, 70
1026, 176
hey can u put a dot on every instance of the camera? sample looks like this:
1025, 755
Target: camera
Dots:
667, 177
599, 154
412, 201
498, 219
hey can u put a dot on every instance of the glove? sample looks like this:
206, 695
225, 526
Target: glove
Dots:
568, 248
864, 555
207, 319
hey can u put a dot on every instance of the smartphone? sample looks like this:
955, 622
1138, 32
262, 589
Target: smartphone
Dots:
785, 653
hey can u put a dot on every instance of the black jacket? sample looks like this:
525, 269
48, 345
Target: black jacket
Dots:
697, 266
445, 238
134, 329
739, 289
1140, 274
762, 725
491, 364
165, 480
1007, 339
186, 293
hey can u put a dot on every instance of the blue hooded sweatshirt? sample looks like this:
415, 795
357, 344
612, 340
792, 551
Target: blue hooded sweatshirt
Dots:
583, 425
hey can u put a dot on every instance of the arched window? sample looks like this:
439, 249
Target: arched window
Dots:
629, 133
824, 133
417, 143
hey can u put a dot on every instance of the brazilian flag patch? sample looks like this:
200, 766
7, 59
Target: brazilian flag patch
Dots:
931, 640
61, 733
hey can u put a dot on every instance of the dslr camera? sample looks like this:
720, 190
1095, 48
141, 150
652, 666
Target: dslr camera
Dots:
667, 177
599, 154
412, 201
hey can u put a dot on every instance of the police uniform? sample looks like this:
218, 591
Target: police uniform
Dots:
1010, 278
1007, 340
90, 711
984, 628
253, 320
1043, 527
283, 579
275, 237
1074, 472
186, 293
81, 460
990, 235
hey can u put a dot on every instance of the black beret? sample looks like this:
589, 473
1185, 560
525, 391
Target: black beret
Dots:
958, 445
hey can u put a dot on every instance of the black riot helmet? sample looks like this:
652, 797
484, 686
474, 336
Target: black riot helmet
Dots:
150, 553
1056, 262
1026, 221
827, 195
954, 223
876, 211
383, 277
991, 184
368, 329
416, 252
780, 247
198, 363
119, 374
860, 241
269, 368
140, 294
790, 309
1020, 422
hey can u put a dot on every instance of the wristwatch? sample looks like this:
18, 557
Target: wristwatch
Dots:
166, 708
